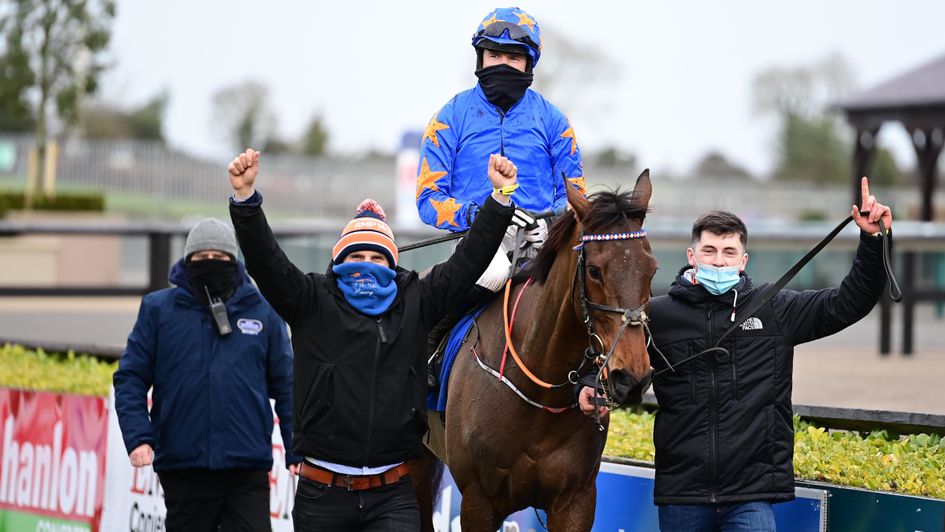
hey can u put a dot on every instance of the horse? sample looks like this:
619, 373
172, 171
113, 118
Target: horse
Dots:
513, 440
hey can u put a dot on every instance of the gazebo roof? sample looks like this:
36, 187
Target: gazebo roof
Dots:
921, 87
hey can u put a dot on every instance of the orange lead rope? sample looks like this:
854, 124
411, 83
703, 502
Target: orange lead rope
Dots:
508, 336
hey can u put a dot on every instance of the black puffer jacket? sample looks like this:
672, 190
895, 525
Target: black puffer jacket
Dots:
724, 431
360, 380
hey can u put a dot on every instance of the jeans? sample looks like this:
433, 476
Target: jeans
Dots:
323, 508
744, 517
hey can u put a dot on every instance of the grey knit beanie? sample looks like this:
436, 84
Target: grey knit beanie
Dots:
211, 234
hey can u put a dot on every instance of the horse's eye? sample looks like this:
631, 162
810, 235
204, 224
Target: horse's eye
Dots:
594, 273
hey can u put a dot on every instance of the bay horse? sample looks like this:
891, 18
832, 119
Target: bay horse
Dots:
513, 440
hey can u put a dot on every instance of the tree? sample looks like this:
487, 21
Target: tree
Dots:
62, 43
612, 157
16, 78
315, 140
716, 165
578, 77
813, 149
883, 170
812, 143
146, 122
243, 114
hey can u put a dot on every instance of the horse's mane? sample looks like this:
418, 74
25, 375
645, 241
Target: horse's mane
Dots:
608, 207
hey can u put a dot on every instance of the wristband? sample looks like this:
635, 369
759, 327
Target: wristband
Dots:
506, 190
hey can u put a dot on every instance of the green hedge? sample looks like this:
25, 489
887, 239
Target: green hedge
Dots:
912, 464
68, 373
66, 201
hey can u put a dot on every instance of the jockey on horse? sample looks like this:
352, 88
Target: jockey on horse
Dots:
499, 115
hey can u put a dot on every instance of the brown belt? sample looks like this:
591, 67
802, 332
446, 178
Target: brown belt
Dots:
354, 482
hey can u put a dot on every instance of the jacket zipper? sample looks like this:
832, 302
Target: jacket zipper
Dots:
713, 407
381, 339
501, 131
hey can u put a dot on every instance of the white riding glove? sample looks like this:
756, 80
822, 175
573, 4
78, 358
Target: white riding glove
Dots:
537, 235
497, 272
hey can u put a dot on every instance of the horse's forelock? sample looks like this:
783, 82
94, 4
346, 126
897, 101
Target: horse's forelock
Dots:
608, 207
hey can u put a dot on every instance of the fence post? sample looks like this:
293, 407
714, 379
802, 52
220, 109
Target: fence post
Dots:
159, 243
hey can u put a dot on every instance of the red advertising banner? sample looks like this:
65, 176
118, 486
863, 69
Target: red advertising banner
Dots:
52, 460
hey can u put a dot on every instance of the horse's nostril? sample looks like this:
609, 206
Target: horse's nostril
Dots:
627, 389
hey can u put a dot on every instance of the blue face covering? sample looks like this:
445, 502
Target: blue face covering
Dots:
717, 280
368, 287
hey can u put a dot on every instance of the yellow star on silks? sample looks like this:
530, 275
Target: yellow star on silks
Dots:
427, 179
569, 134
446, 211
490, 20
430, 131
525, 20
578, 182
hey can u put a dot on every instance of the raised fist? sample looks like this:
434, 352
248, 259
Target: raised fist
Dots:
243, 170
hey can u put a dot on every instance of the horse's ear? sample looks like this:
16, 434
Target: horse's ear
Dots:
643, 189
578, 202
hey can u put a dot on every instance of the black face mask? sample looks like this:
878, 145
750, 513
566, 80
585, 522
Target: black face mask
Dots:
503, 85
218, 276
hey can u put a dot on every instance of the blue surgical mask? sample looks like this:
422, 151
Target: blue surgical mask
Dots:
717, 280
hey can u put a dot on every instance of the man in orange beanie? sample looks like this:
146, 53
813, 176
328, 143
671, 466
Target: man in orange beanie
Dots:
359, 334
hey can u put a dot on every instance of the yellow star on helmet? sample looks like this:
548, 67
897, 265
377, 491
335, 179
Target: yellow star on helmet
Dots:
430, 131
578, 182
491, 20
569, 134
446, 211
427, 179
525, 20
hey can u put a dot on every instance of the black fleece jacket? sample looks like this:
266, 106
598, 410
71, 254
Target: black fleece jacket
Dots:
360, 381
724, 432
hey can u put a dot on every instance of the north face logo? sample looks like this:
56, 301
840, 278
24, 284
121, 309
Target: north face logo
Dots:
752, 324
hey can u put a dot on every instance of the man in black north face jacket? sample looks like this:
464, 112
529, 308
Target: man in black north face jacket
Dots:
724, 433
359, 333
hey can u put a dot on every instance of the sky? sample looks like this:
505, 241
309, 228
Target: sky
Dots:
680, 86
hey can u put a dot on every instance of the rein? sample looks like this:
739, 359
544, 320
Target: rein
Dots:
460, 234
509, 348
895, 293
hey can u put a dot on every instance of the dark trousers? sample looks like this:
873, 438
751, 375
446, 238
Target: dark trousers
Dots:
323, 508
201, 500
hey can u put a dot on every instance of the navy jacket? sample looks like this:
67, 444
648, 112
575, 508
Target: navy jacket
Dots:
211, 393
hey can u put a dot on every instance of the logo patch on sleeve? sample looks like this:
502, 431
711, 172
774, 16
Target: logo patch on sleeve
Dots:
249, 326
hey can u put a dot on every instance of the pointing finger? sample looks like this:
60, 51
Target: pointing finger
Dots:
864, 190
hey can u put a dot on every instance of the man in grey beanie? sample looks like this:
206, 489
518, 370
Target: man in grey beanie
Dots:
214, 352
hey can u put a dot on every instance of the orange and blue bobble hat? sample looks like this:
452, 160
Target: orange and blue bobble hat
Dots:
368, 231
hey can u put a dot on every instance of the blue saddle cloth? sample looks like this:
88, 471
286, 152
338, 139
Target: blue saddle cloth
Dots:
436, 398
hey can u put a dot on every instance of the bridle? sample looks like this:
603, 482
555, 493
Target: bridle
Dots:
594, 353
630, 317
